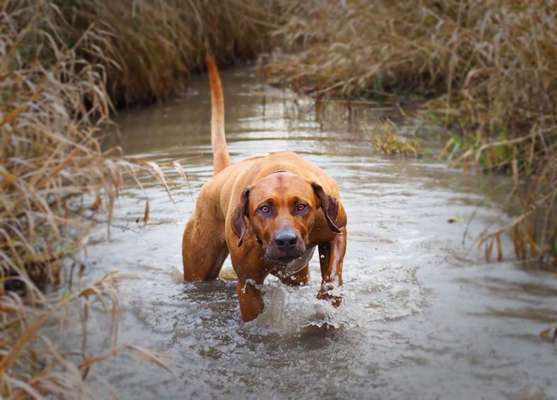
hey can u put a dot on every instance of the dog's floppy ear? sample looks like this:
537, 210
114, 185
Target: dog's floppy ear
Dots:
240, 217
332, 209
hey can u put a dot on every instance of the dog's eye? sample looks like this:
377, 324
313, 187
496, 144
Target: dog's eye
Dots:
265, 209
301, 207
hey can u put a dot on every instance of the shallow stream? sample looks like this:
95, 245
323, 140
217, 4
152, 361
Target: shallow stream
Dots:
424, 315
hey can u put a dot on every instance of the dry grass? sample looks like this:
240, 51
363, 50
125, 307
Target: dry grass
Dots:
53, 104
49, 157
487, 68
153, 45
31, 365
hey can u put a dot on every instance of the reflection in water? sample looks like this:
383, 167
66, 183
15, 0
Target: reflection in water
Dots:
423, 317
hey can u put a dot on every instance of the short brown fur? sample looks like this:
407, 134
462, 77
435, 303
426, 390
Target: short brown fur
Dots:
231, 216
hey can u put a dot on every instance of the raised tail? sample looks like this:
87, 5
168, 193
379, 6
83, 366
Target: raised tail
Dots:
221, 158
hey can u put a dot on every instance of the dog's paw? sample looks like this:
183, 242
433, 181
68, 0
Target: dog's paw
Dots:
331, 294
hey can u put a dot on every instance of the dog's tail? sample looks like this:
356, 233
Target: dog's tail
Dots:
221, 158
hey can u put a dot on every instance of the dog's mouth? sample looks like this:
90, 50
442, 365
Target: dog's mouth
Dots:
281, 260
287, 266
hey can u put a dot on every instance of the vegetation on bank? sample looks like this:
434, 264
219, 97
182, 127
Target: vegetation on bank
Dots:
486, 68
149, 48
52, 106
63, 64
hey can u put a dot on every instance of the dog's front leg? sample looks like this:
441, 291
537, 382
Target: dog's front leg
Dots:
331, 255
251, 276
250, 298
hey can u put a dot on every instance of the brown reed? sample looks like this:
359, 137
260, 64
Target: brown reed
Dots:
486, 67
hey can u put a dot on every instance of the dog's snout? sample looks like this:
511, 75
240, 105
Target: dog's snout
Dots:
286, 239
286, 245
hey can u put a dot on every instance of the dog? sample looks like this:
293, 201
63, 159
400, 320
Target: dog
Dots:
269, 213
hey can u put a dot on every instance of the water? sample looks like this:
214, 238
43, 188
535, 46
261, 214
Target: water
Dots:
424, 315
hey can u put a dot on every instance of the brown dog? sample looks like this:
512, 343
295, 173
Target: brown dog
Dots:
269, 213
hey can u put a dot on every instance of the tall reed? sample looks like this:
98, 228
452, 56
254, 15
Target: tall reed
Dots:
487, 68
150, 47
49, 157
54, 178
53, 106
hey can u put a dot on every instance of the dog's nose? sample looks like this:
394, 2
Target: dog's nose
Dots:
286, 239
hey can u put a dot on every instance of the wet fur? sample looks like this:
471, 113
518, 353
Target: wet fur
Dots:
225, 219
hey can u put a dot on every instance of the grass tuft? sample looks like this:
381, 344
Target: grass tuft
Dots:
389, 141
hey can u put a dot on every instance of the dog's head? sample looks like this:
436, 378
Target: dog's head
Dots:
280, 210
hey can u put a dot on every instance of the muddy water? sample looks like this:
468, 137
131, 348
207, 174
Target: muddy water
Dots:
424, 315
